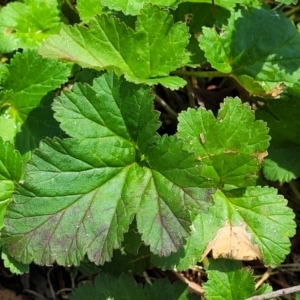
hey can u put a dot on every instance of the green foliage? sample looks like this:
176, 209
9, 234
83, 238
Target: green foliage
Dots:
134, 7
254, 214
26, 25
123, 287
13, 265
115, 164
146, 55
246, 50
11, 172
25, 100
226, 278
282, 116
226, 160
85, 179
88, 8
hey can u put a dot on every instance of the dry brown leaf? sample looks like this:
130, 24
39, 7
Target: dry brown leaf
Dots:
261, 156
277, 90
233, 242
274, 93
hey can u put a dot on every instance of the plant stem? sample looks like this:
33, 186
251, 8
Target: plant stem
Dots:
165, 106
292, 11
265, 276
295, 190
190, 93
200, 73
278, 293
279, 6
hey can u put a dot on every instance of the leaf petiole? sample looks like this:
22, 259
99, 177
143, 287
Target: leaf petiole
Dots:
200, 73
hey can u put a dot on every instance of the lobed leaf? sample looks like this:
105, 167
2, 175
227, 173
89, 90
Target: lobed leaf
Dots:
11, 171
146, 55
244, 224
228, 3
81, 194
88, 8
126, 263
26, 105
260, 61
282, 116
197, 15
123, 287
26, 25
230, 146
135, 6
14, 266
225, 278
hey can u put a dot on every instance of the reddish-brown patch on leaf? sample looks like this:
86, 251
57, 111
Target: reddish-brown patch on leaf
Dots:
233, 242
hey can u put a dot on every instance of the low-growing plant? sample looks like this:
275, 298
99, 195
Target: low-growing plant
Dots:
88, 182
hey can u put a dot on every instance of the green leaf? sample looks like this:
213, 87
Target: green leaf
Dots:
11, 171
123, 287
288, 2
123, 262
197, 15
230, 145
86, 268
246, 50
134, 7
282, 116
146, 55
11, 166
225, 279
224, 3
163, 289
92, 185
87, 76
190, 253
14, 266
261, 213
26, 25
109, 287
229, 3
88, 8
244, 224
3, 73
26, 104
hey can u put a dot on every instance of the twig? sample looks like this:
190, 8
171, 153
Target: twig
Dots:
147, 278
279, 6
34, 293
195, 287
265, 276
50, 284
292, 11
294, 189
165, 106
278, 293
64, 290
190, 92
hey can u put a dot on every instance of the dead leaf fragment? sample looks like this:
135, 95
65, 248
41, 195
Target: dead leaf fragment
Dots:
233, 242
202, 138
261, 156
274, 93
